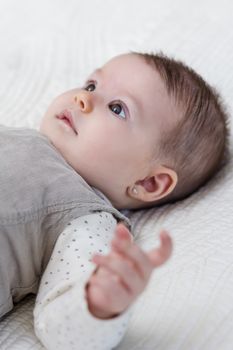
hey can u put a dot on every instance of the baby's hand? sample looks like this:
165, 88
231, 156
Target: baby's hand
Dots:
123, 274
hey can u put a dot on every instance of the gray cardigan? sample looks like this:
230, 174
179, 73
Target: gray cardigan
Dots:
40, 193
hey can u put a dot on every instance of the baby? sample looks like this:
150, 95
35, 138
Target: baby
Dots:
144, 130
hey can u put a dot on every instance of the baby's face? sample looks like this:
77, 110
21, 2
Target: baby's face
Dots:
117, 116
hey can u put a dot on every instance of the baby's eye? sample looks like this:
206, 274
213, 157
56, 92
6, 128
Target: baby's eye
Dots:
90, 86
118, 109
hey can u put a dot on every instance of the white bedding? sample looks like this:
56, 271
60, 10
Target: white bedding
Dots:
49, 46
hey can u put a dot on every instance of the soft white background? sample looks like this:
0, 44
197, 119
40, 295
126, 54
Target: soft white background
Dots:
49, 46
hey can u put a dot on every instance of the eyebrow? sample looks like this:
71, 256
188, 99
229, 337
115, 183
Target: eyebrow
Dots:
99, 71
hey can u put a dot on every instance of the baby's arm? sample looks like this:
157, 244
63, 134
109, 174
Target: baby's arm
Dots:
62, 318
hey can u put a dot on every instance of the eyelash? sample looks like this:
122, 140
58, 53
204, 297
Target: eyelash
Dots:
124, 108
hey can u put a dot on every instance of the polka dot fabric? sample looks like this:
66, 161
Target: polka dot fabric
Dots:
62, 319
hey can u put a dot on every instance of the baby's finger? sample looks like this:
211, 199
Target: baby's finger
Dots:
123, 233
124, 269
135, 254
160, 255
108, 293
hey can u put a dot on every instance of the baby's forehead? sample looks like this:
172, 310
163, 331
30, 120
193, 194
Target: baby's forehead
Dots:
124, 61
128, 70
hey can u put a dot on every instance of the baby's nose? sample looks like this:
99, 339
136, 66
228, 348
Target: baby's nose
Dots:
84, 102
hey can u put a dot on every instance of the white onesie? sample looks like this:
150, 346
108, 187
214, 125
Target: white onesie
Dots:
62, 319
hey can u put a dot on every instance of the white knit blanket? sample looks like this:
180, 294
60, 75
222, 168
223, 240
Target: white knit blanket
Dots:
50, 46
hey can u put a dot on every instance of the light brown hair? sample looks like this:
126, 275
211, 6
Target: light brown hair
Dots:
197, 147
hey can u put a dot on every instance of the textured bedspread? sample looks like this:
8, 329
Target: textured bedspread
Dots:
49, 46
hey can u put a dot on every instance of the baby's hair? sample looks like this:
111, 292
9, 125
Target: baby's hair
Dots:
197, 146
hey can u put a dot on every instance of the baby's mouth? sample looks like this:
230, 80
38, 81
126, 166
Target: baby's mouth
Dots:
67, 117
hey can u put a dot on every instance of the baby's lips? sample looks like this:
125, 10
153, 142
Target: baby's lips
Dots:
68, 115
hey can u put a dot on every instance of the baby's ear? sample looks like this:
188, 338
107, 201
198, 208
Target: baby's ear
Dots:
159, 184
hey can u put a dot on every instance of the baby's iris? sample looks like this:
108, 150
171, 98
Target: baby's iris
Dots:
117, 109
87, 87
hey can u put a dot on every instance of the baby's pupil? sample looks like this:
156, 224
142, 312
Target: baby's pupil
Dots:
88, 87
116, 108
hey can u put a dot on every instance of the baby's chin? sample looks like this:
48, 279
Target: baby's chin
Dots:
46, 130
